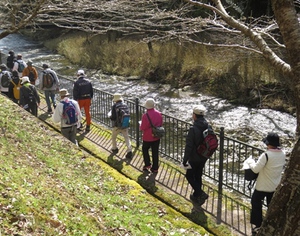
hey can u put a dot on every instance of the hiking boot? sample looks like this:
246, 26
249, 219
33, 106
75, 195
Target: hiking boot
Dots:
115, 151
129, 155
87, 128
146, 168
255, 231
202, 198
50, 112
154, 170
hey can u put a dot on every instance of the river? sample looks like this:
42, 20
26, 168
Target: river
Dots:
246, 124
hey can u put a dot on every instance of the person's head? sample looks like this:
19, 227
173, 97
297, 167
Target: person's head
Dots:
11, 53
272, 139
117, 97
29, 63
45, 66
24, 80
3, 67
19, 56
80, 73
15, 73
150, 103
199, 111
64, 93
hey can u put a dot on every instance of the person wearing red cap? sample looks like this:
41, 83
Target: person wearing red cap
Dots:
83, 94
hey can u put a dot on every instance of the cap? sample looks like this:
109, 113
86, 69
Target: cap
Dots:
199, 110
117, 97
25, 79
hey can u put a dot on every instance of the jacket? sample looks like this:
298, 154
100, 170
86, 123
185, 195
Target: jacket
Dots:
82, 89
145, 126
25, 92
269, 170
193, 139
58, 113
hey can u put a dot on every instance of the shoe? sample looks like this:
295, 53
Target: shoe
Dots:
115, 150
255, 231
154, 171
129, 155
147, 168
199, 199
54, 106
87, 128
50, 112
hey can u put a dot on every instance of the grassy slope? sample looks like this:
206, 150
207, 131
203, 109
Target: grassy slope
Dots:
49, 187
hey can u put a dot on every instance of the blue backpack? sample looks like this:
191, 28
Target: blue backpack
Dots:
69, 113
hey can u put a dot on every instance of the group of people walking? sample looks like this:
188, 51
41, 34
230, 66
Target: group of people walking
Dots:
67, 112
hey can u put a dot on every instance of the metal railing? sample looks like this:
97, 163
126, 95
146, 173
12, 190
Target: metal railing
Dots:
223, 169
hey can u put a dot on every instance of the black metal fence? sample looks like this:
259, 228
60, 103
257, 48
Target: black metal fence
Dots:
223, 169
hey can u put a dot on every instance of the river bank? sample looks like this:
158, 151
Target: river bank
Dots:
243, 123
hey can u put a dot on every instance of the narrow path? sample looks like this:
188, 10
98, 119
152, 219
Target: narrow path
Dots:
170, 180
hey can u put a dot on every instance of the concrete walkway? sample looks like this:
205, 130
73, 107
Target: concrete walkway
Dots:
169, 181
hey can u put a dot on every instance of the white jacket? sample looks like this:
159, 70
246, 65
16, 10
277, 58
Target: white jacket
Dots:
270, 171
58, 113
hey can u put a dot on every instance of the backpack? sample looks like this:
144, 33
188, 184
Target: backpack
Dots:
21, 66
249, 175
48, 79
31, 76
123, 116
31, 96
69, 113
5, 79
209, 145
16, 89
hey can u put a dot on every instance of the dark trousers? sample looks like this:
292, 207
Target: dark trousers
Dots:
154, 149
194, 176
70, 133
32, 108
257, 200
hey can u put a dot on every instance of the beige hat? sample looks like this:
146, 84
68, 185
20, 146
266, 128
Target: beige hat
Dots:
199, 110
64, 93
150, 103
25, 79
117, 97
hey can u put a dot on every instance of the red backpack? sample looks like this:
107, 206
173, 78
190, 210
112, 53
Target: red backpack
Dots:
209, 145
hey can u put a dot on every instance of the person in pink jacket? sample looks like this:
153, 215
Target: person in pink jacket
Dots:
148, 140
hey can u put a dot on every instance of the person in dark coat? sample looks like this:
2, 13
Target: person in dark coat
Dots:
192, 161
83, 94
29, 97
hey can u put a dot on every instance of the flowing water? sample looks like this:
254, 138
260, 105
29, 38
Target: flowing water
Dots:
246, 124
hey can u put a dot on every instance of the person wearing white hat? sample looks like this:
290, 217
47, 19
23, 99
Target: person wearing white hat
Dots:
83, 94
68, 114
118, 111
49, 83
193, 162
149, 141
29, 97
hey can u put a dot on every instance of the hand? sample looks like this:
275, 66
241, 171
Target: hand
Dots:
186, 166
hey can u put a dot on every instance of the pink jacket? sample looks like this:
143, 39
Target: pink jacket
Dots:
145, 126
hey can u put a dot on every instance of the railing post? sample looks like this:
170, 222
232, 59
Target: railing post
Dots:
137, 125
220, 185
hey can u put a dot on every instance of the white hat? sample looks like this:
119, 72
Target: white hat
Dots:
117, 97
64, 93
25, 79
149, 104
80, 72
199, 110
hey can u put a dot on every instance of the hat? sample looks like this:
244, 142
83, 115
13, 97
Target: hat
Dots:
64, 93
272, 139
19, 55
25, 79
149, 104
199, 110
117, 97
45, 66
29, 63
11, 52
80, 72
